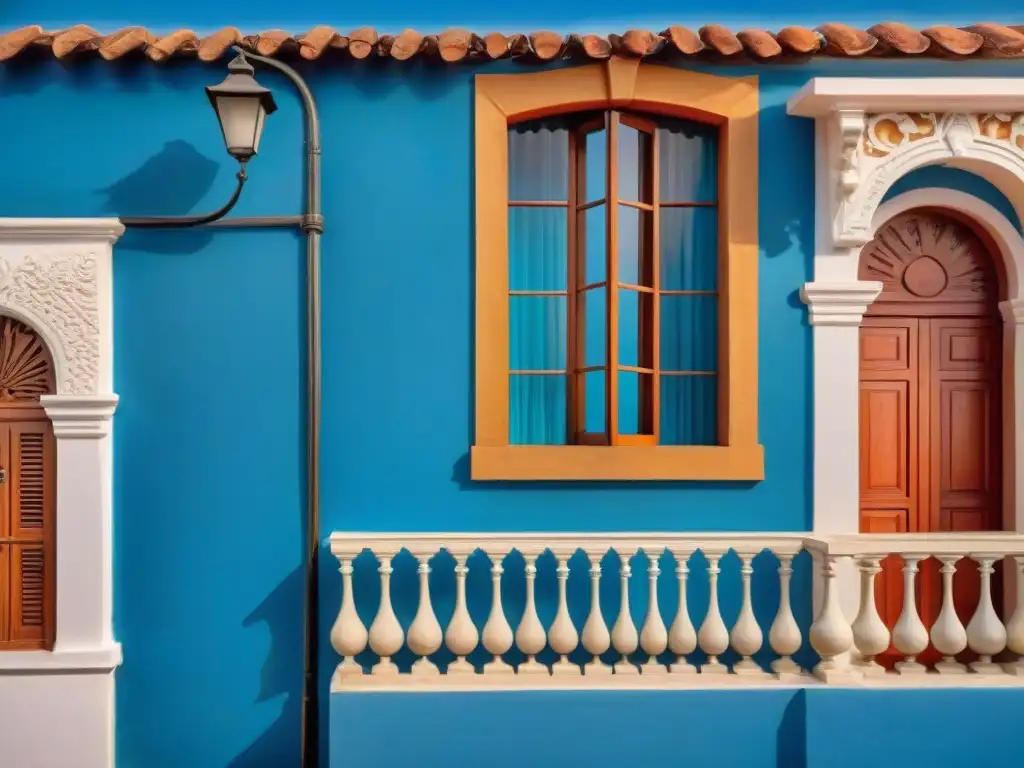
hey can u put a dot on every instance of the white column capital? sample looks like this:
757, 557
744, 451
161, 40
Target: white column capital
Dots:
835, 303
80, 416
1012, 311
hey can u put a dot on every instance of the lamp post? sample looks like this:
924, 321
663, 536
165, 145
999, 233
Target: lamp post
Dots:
242, 105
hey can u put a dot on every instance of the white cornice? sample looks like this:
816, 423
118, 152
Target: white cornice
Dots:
839, 303
908, 94
60, 230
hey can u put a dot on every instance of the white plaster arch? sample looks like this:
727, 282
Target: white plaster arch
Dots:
957, 143
56, 707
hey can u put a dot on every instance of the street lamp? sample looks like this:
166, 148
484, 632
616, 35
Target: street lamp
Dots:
242, 106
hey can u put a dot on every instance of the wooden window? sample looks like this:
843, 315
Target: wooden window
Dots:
616, 275
613, 270
26, 492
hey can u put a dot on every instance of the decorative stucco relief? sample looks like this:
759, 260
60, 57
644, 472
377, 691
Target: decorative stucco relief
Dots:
57, 293
871, 151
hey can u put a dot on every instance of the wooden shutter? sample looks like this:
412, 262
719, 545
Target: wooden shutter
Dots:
26, 495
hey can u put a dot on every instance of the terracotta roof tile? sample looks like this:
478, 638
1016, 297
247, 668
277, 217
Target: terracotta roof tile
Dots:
889, 39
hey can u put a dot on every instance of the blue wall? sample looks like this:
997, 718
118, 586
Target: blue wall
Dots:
774, 729
209, 437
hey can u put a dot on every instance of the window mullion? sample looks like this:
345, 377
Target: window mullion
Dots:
612, 277
655, 319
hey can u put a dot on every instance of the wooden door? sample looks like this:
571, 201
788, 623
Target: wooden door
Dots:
27, 491
930, 424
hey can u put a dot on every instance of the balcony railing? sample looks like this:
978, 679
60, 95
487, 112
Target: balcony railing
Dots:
686, 609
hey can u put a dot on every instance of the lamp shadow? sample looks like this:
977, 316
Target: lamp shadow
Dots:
281, 677
170, 183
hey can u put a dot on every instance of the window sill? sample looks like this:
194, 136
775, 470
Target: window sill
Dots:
104, 659
585, 462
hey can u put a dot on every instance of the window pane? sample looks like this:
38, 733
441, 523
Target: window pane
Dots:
689, 410
537, 249
592, 310
596, 166
689, 249
635, 403
594, 231
634, 155
636, 243
538, 161
636, 332
537, 333
537, 410
687, 162
689, 333
593, 391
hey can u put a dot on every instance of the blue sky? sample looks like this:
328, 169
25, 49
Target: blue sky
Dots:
480, 15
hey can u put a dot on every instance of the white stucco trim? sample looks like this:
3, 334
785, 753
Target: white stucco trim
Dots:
57, 707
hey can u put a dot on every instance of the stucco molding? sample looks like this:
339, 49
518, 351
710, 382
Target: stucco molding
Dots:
56, 276
872, 131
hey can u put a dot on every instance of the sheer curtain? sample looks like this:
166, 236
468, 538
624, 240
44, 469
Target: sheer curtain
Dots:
688, 164
538, 334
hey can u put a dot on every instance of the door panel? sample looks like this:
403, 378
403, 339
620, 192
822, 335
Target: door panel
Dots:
930, 434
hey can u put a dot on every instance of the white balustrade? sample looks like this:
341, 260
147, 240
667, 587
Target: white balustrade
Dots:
849, 653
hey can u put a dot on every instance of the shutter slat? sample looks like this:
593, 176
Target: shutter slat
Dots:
29, 486
28, 603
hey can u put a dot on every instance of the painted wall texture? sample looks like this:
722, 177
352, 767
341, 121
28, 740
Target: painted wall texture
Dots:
209, 440
780, 729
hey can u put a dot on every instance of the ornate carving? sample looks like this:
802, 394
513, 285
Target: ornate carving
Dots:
891, 144
60, 293
885, 133
25, 368
920, 256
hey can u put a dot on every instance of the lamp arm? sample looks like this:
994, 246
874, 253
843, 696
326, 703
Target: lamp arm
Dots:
143, 222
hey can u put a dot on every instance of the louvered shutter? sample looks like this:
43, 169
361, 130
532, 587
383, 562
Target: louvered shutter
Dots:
29, 490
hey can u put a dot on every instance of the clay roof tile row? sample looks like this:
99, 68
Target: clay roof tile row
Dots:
889, 39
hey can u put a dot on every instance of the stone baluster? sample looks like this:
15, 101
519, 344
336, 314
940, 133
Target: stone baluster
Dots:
713, 635
653, 636
596, 639
530, 636
682, 637
386, 635
746, 636
910, 636
784, 636
562, 636
625, 639
1015, 627
870, 635
830, 635
348, 635
948, 633
424, 637
986, 634
461, 637
497, 635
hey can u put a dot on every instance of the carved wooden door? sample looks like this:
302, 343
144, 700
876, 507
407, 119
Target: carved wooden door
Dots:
930, 424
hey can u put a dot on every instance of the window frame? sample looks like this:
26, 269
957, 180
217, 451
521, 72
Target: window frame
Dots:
731, 103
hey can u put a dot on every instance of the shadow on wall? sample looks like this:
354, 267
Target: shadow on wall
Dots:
170, 183
281, 676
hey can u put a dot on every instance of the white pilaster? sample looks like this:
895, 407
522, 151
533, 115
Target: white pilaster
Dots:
81, 424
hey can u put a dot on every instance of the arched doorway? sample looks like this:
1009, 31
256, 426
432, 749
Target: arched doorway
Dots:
27, 536
930, 396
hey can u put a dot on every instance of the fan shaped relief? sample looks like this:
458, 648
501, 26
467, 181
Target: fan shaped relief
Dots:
925, 256
26, 369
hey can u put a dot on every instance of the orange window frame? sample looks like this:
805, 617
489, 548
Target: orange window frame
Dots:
728, 102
